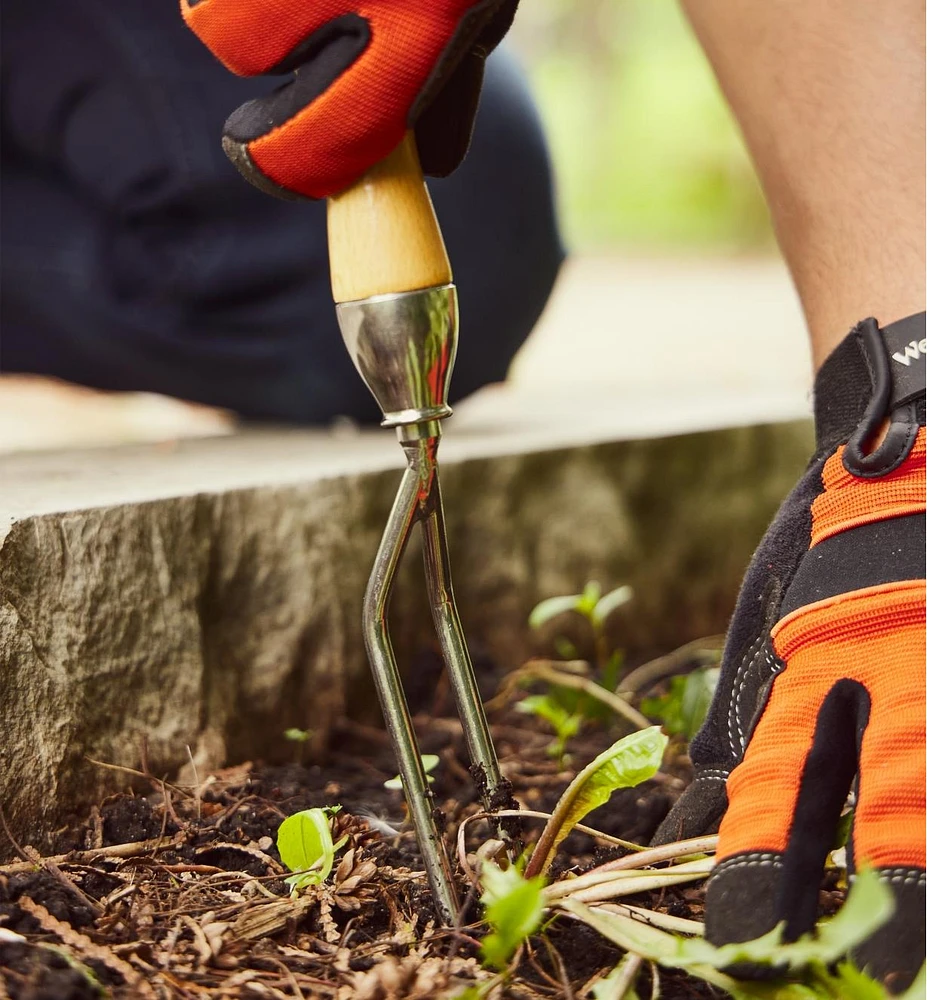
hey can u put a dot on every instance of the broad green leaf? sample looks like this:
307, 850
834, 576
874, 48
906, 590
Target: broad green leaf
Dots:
552, 607
514, 908
868, 906
429, 762
625, 764
304, 841
604, 606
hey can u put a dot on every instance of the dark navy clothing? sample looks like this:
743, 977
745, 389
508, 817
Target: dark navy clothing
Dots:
135, 257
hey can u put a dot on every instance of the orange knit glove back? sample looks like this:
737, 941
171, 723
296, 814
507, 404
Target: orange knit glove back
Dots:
364, 71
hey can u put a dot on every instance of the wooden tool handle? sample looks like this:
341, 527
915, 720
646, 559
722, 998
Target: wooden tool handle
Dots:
382, 233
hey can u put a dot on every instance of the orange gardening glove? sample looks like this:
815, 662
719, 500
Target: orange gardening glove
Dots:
822, 681
363, 72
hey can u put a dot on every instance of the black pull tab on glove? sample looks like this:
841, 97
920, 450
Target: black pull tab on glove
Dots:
822, 681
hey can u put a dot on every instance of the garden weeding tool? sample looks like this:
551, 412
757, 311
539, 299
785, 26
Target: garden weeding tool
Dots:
397, 309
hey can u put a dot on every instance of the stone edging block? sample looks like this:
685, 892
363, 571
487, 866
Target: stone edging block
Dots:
216, 620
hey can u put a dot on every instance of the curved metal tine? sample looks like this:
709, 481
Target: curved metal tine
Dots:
454, 649
392, 697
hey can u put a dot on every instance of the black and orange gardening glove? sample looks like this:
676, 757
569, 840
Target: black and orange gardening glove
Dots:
822, 681
363, 72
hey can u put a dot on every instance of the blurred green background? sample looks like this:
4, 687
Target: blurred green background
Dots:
646, 152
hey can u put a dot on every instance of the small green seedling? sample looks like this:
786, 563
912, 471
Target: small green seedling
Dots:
592, 604
304, 841
299, 737
565, 724
429, 762
683, 708
595, 607
514, 908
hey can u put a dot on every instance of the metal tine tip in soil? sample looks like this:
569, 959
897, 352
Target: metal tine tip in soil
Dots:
403, 345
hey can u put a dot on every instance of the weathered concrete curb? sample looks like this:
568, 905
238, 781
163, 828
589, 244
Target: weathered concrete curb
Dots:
219, 617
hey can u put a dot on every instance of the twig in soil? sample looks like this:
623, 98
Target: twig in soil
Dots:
533, 770
270, 917
538, 968
459, 935
230, 810
169, 810
136, 773
195, 869
117, 894
143, 753
64, 879
552, 672
82, 944
200, 941
666, 852
96, 825
654, 918
197, 787
625, 979
288, 975
557, 959
546, 780
598, 886
691, 656
578, 668
20, 850
251, 852
130, 850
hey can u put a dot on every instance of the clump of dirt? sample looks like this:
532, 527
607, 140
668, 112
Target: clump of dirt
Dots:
126, 819
46, 974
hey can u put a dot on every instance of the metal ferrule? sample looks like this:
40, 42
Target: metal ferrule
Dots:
404, 347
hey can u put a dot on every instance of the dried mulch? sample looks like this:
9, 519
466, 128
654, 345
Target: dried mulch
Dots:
179, 892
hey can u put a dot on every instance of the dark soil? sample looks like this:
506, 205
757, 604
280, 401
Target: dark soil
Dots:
200, 908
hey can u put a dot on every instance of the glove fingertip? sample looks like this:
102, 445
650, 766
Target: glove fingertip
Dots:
238, 153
